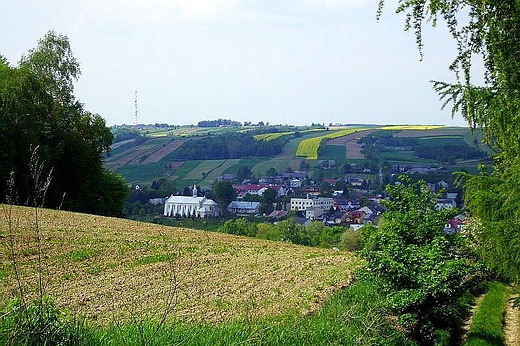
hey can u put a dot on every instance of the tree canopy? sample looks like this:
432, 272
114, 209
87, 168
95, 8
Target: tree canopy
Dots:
38, 110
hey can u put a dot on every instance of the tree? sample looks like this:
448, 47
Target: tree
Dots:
55, 66
421, 269
38, 109
244, 172
272, 172
224, 194
488, 30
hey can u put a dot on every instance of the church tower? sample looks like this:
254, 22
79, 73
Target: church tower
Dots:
194, 192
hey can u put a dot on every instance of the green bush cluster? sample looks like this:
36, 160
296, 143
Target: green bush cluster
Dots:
422, 271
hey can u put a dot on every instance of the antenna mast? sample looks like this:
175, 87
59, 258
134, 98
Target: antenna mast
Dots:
136, 114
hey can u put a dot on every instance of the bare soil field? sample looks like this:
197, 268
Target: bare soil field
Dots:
143, 153
109, 269
351, 144
166, 149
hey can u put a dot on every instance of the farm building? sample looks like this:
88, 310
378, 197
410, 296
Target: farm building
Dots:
186, 206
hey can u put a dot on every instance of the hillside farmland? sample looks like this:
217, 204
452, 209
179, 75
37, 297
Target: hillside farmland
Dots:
105, 268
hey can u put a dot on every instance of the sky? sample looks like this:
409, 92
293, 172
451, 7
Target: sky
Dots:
283, 62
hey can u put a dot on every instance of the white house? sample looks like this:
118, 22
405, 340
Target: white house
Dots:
445, 203
186, 206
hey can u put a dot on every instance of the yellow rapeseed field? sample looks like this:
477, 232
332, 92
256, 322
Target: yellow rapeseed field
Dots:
309, 147
108, 268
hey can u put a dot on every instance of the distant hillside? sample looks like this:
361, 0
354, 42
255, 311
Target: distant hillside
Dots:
100, 266
153, 155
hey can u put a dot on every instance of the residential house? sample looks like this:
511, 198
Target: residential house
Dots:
445, 203
454, 225
314, 213
277, 214
243, 208
354, 216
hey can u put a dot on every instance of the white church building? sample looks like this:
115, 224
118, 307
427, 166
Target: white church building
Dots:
186, 206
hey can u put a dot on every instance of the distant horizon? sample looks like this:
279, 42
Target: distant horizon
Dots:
267, 124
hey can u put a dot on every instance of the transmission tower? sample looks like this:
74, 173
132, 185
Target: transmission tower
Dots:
136, 113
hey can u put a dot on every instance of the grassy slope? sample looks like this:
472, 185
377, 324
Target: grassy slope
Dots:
100, 266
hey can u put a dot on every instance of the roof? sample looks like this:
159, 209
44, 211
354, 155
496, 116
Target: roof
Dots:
277, 214
243, 205
184, 199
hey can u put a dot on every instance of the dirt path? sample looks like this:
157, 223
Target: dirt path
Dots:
511, 323
511, 331
467, 323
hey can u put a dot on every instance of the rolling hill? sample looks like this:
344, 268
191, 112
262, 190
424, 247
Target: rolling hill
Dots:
152, 157
108, 268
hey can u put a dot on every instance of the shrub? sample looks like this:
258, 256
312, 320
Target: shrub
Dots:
418, 266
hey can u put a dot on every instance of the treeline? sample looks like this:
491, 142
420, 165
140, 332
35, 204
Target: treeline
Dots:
218, 122
448, 152
229, 146
51, 147
316, 234
384, 141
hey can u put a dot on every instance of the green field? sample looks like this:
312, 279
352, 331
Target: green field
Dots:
218, 171
272, 136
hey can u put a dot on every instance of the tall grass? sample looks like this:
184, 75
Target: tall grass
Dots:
487, 323
353, 316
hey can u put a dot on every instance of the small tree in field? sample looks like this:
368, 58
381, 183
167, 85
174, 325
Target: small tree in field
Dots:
417, 264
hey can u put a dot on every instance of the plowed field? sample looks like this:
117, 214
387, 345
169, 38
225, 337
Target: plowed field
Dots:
110, 268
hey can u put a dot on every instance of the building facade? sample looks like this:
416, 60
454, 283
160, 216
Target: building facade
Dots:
302, 204
186, 206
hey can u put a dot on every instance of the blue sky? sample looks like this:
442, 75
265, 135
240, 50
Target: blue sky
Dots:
282, 62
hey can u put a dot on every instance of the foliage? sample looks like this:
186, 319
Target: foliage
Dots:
488, 31
487, 323
448, 152
238, 226
38, 109
229, 146
416, 264
494, 200
218, 123
224, 194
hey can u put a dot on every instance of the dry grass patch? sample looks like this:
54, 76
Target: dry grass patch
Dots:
110, 268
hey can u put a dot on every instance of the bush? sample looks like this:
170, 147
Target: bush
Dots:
419, 267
